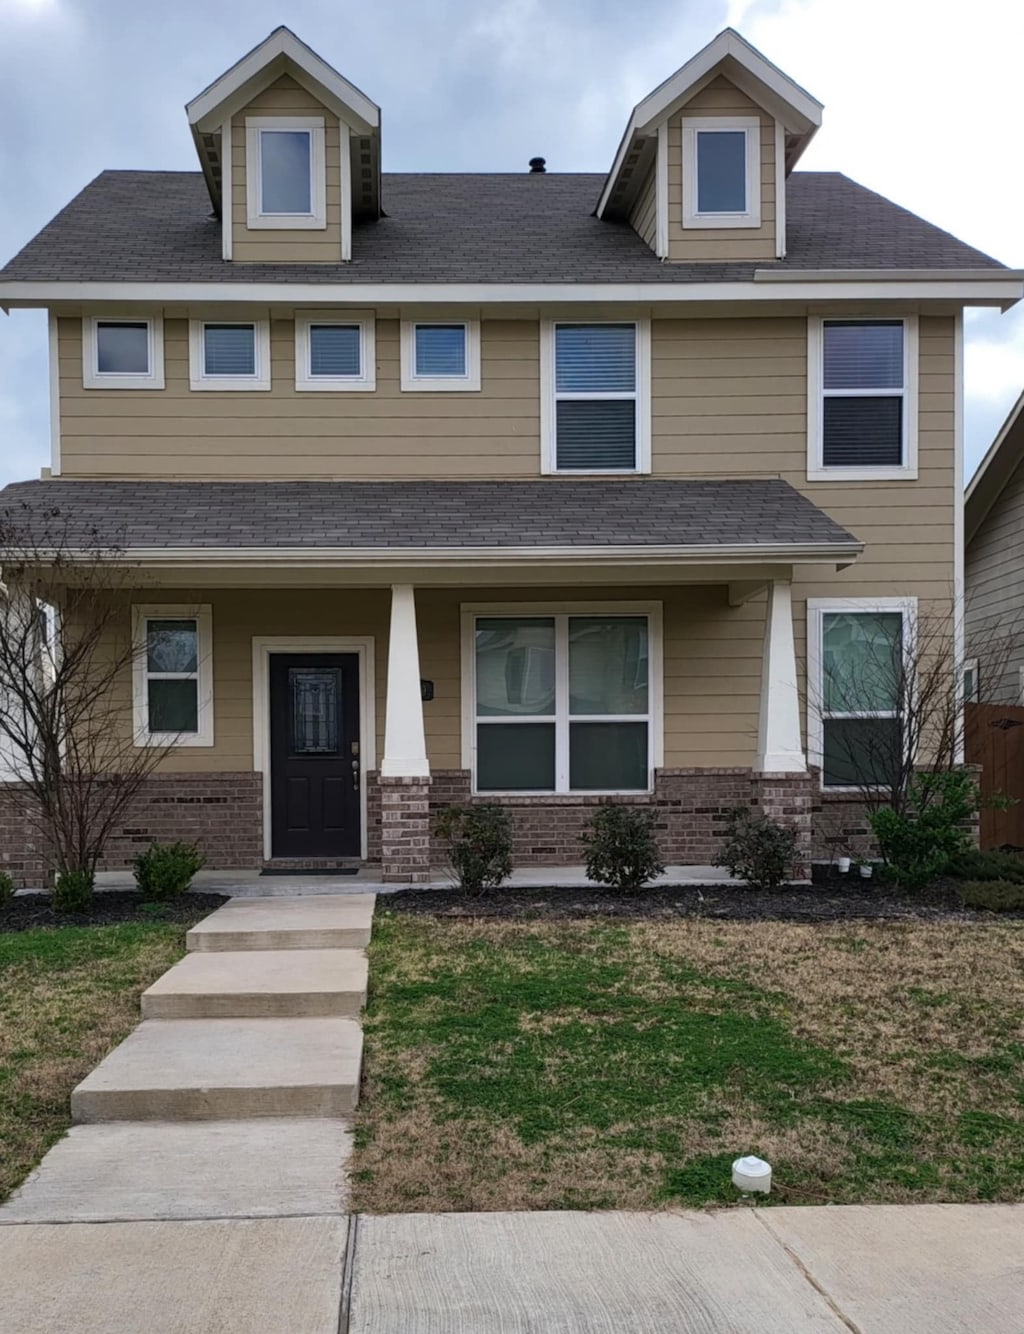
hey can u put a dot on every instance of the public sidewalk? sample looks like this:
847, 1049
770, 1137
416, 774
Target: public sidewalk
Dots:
925, 1269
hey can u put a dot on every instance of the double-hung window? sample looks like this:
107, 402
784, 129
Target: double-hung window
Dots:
173, 676
122, 353
229, 354
561, 702
334, 353
721, 171
862, 398
595, 396
440, 354
285, 172
860, 657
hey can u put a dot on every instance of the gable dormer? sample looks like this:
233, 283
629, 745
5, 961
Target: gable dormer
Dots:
700, 173
291, 155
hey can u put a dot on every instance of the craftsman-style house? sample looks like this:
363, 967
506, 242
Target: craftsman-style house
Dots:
545, 489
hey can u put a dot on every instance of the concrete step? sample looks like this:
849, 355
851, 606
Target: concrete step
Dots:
260, 984
306, 922
132, 1170
225, 1069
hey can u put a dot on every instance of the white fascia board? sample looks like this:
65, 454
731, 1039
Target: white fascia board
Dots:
994, 448
890, 275
459, 557
728, 43
620, 157
999, 288
281, 43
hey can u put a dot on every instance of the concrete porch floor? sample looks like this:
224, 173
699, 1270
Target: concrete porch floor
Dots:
250, 884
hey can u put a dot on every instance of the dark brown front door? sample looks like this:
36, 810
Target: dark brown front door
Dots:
314, 755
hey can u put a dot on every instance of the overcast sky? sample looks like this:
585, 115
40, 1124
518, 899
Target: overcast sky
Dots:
924, 110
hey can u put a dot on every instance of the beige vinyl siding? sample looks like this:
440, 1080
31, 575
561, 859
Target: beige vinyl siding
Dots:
288, 434
720, 98
644, 217
285, 97
995, 596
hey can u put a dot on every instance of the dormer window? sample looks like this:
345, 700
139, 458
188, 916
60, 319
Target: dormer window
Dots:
721, 171
285, 173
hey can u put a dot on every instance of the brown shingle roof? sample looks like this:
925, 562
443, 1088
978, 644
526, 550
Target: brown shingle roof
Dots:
152, 226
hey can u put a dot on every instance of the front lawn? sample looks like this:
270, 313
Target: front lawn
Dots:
553, 1064
67, 996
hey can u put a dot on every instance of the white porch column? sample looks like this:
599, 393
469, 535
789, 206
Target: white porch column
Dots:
779, 748
405, 749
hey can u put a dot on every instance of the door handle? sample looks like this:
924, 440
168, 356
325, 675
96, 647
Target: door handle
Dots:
355, 775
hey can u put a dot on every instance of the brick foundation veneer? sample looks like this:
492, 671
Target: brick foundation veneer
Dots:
691, 806
222, 812
405, 809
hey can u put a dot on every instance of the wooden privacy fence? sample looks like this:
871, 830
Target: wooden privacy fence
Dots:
994, 739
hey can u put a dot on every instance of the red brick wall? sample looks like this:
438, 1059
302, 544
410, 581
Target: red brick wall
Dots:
222, 812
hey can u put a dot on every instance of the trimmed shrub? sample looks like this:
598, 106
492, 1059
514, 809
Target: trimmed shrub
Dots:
6, 887
166, 870
975, 865
993, 895
74, 890
923, 842
758, 849
478, 845
620, 846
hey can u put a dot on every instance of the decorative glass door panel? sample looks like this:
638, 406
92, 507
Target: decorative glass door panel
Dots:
316, 710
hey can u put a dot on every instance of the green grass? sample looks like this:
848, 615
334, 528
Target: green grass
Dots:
67, 996
588, 1064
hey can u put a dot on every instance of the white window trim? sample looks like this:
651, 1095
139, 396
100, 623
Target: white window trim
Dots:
816, 469
306, 381
413, 383
549, 398
656, 690
970, 665
817, 609
316, 219
142, 614
198, 379
751, 216
94, 378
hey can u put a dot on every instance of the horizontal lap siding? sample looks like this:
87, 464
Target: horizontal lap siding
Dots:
717, 244
995, 596
283, 433
644, 218
285, 97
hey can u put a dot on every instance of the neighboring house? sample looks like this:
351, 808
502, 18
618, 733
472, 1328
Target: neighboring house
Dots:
994, 569
548, 489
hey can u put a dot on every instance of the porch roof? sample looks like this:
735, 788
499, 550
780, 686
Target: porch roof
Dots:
409, 520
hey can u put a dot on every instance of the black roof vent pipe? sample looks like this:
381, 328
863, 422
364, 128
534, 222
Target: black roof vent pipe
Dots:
537, 165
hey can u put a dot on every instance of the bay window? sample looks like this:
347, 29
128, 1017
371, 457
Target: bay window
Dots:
562, 702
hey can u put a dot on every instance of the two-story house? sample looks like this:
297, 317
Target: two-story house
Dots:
544, 489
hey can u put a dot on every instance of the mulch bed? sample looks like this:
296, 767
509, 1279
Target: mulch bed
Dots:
26, 911
832, 898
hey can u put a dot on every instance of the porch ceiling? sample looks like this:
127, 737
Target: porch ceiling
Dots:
579, 530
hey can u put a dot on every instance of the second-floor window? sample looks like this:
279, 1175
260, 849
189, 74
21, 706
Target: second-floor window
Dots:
721, 171
334, 353
229, 355
285, 172
595, 397
122, 353
862, 390
440, 354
